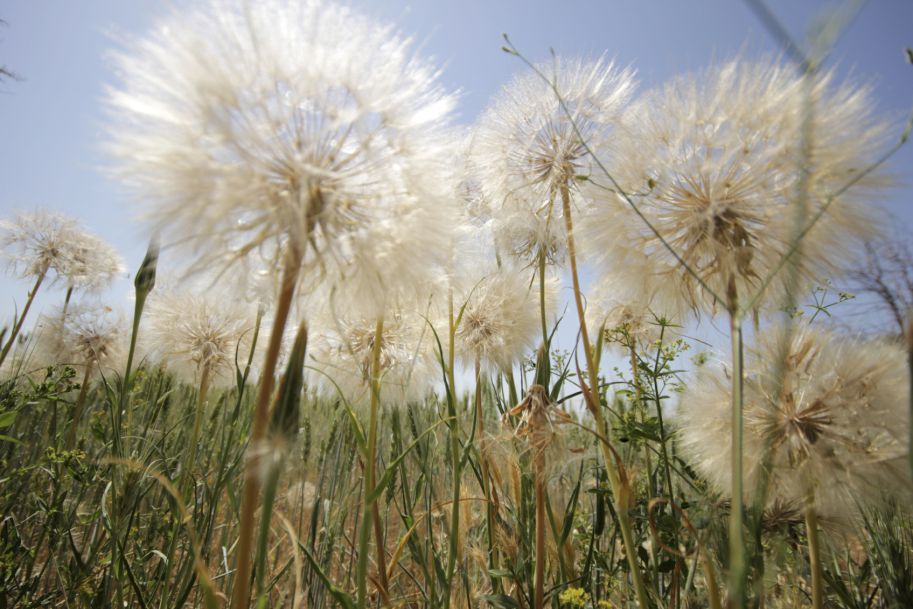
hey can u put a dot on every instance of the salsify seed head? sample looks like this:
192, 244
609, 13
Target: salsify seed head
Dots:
288, 130
189, 330
628, 314
501, 321
717, 162
341, 351
45, 243
526, 147
87, 334
830, 411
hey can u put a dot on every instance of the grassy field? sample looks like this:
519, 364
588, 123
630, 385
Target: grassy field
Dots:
421, 366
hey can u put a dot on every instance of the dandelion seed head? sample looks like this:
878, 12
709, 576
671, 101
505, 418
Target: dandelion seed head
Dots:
715, 162
835, 420
40, 242
275, 129
525, 147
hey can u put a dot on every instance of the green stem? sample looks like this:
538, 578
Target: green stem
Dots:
659, 417
77, 408
124, 405
486, 480
202, 395
384, 585
368, 505
19, 322
539, 475
542, 315
910, 368
269, 499
454, 549
738, 568
620, 493
814, 555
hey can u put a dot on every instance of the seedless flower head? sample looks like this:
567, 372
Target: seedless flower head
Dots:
190, 330
834, 421
288, 129
526, 149
40, 242
715, 162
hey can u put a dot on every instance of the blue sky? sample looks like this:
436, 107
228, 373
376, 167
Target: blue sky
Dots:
51, 122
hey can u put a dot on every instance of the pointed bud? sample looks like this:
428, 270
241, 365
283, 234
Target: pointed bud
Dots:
145, 277
284, 421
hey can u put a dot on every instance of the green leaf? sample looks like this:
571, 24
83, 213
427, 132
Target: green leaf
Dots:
571, 509
391, 469
7, 418
341, 597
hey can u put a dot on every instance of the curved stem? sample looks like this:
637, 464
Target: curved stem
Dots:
620, 494
241, 592
19, 322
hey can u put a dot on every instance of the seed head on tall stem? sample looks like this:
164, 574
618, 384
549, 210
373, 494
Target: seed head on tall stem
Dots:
299, 133
713, 161
45, 246
525, 148
836, 429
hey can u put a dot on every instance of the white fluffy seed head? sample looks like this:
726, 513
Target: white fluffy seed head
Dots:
626, 312
192, 330
501, 321
40, 242
84, 334
525, 148
342, 350
715, 162
280, 128
833, 416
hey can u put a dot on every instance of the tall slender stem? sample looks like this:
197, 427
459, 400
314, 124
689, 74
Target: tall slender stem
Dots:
241, 592
372, 462
909, 338
77, 408
738, 566
542, 315
486, 480
455, 551
814, 555
539, 475
369, 505
19, 322
620, 496
202, 395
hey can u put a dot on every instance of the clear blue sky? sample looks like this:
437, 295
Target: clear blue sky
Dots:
50, 122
